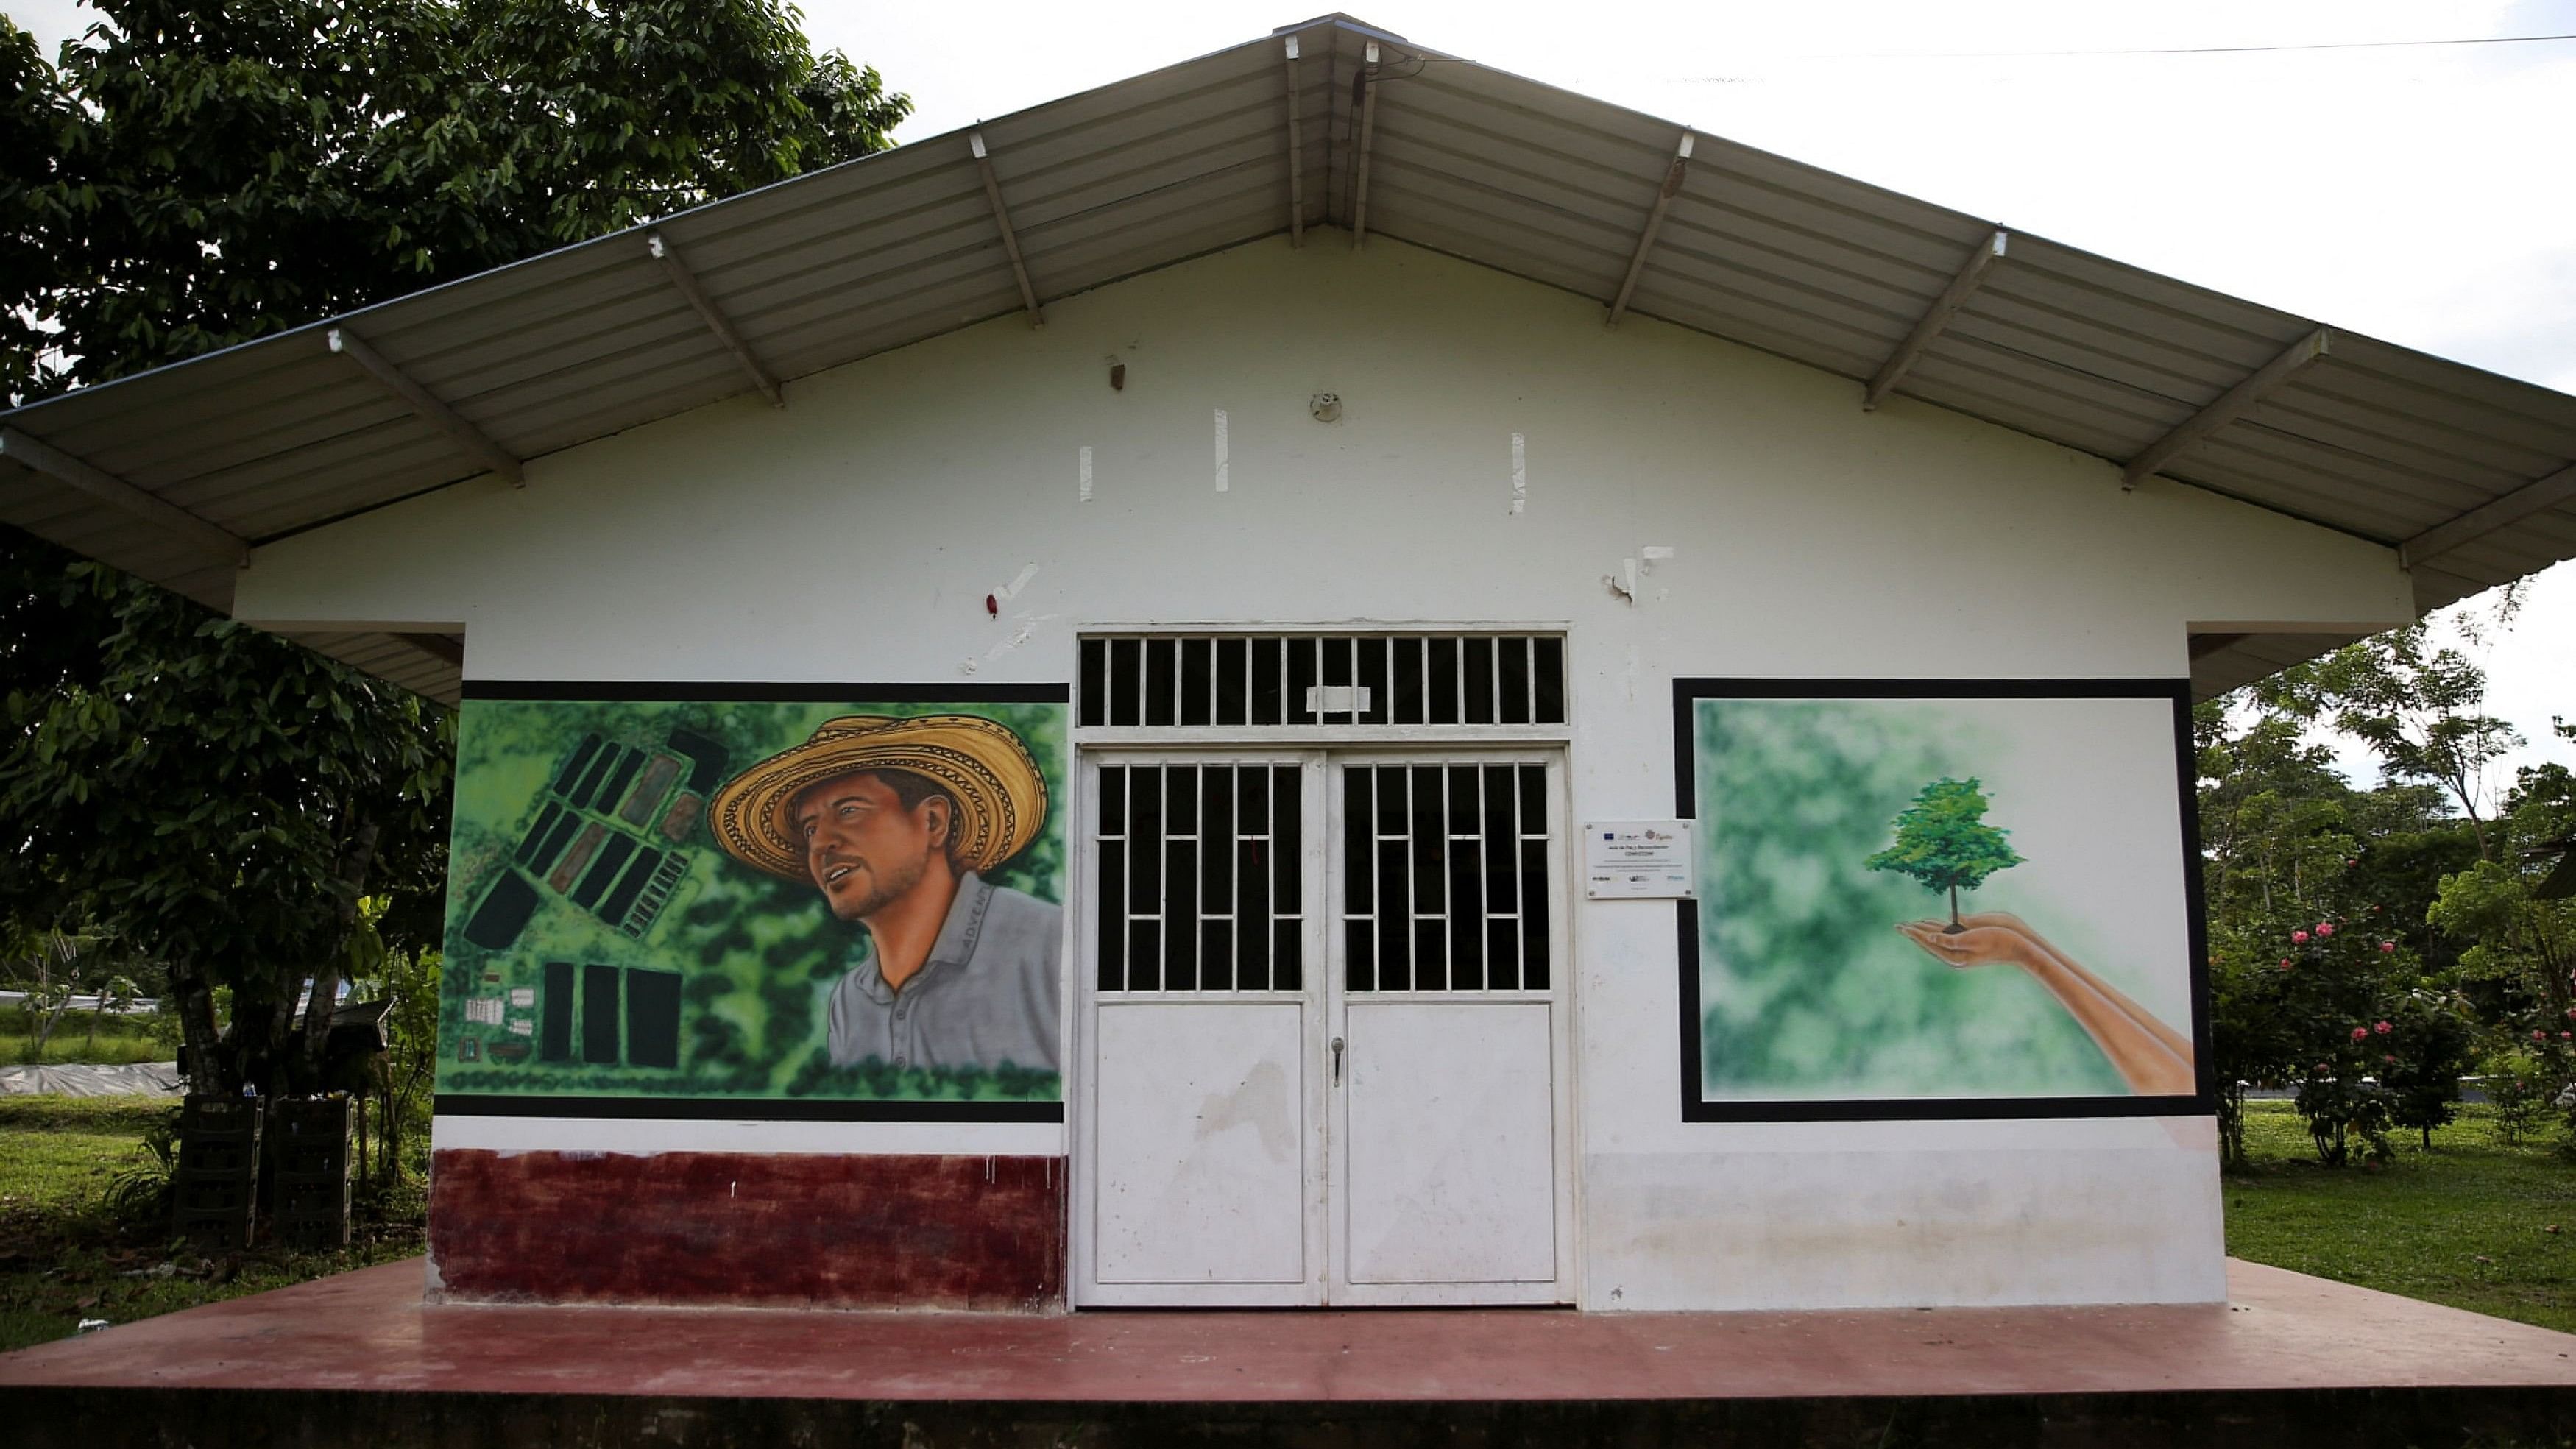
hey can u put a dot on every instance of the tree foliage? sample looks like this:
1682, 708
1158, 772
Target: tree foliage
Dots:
2427, 881
216, 796
191, 173
1943, 840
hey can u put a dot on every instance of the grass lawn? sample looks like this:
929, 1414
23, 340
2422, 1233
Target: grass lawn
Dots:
64, 1257
2473, 1223
68, 1046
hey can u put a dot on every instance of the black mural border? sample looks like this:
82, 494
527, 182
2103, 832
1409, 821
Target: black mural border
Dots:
582, 691
2201, 1101
751, 1109
742, 1109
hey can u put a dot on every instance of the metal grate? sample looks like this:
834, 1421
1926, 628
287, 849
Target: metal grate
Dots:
1196, 680
1445, 877
1198, 884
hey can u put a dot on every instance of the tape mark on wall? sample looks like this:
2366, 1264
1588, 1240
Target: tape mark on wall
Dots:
1520, 472
1220, 451
1086, 475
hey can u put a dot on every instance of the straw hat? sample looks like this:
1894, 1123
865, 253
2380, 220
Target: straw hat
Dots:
1001, 796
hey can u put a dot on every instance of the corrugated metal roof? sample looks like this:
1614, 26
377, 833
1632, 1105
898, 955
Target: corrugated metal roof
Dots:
281, 435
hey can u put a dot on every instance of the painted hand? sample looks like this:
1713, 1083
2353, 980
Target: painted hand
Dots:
1991, 938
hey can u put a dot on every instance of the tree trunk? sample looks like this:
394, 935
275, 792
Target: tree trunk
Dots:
354, 861
208, 1073
1954, 928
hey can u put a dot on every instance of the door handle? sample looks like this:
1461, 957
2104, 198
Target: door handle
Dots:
1337, 1061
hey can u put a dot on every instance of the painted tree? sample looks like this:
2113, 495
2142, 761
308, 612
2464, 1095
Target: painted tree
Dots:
1943, 840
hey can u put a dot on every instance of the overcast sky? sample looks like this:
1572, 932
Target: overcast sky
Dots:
2419, 193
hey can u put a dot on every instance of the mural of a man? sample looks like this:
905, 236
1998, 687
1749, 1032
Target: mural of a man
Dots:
894, 821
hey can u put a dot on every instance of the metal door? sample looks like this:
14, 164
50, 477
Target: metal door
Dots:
1276, 1103
1446, 1150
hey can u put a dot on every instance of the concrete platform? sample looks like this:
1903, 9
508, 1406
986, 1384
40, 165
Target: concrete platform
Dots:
359, 1358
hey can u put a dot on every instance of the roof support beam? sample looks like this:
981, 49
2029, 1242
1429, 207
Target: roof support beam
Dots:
1963, 285
1360, 156
686, 282
1672, 187
1296, 155
1002, 218
445, 648
2487, 517
106, 487
424, 402
2231, 405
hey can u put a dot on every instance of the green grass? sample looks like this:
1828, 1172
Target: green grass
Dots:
69, 1046
65, 1256
2473, 1223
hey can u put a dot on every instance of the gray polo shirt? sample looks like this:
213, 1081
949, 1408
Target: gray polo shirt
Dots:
987, 995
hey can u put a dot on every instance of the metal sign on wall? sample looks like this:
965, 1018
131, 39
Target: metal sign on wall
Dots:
1637, 859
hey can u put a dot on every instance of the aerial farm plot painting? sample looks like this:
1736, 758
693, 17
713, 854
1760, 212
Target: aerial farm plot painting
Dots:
1939, 898
755, 901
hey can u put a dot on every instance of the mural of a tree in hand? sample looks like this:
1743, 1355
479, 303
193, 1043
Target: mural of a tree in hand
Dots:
1943, 840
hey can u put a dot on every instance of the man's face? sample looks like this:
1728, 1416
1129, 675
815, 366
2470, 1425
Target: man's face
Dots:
862, 847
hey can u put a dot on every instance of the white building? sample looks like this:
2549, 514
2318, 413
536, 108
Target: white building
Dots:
1324, 489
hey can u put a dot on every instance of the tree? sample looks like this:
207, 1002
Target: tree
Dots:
218, 797
2525, 941
2419, 708
1943, 841
191, 173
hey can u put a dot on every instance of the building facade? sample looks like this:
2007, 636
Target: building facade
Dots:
1323, 774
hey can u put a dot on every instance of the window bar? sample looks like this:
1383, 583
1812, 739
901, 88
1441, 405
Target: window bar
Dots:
1387, 709
1108, 682
1251, 710
1529, 676
1178, 715
1460, 696
1287, 707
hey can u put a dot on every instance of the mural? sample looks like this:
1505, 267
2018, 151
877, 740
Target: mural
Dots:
778, 906
1954, 899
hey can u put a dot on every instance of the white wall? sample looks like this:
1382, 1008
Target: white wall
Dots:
854, 537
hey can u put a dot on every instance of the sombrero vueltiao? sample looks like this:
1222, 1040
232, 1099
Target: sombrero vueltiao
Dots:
1001, 796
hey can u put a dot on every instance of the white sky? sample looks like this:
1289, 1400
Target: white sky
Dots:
2416, 193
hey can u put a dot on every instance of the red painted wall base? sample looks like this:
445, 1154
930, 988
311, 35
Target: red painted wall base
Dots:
768, 1229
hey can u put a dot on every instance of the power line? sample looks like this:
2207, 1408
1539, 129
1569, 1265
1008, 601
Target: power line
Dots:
2182, 49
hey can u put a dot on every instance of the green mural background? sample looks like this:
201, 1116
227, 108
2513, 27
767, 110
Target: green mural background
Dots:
1807, 992
755, 956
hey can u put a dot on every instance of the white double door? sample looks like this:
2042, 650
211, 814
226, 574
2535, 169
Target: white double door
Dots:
1322, 1050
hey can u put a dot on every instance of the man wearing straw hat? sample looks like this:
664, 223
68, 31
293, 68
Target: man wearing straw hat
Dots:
894, 821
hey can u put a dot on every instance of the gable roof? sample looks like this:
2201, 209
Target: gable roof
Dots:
169, 473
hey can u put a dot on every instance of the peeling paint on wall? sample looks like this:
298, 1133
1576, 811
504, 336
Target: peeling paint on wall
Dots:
1520, 472
1086, 475
1220, 451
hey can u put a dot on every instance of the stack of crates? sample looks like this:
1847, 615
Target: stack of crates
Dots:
216, 1184
308, 1169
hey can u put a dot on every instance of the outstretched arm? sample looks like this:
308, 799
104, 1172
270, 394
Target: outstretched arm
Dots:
2153, 1057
